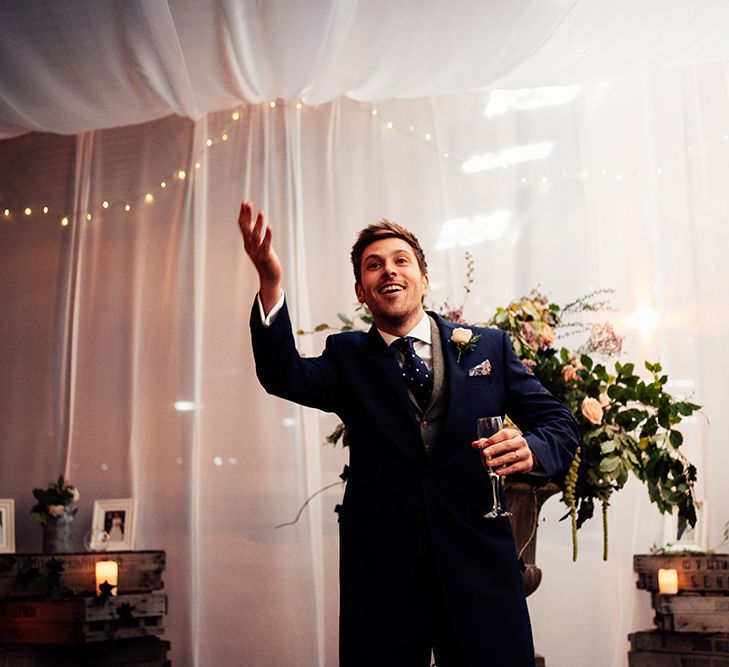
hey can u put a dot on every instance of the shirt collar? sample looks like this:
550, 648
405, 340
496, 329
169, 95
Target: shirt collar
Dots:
421, 332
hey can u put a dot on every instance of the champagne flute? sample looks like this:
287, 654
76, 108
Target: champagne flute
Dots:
485, 428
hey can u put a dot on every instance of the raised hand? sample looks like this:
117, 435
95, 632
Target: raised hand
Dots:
257, 243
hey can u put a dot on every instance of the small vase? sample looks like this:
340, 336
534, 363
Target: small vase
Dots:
58, 534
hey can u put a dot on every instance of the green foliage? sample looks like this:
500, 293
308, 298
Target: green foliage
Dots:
60, 497
627, 423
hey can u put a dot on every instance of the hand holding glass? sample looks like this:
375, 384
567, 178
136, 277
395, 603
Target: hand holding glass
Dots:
485, 428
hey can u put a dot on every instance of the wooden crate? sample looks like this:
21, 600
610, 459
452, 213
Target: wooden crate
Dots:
143, 652
82, 620
659, 659
691, 613
31, 575
686, 643
696, 572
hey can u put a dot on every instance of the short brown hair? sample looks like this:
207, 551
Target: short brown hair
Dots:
384, 229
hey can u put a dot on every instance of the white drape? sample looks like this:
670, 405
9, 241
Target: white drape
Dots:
74, 66
108, 322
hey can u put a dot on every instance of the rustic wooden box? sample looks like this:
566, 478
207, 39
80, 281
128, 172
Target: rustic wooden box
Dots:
696, 572
685, 643
691, 613
30, 575
142, 652
82, 620
657, 659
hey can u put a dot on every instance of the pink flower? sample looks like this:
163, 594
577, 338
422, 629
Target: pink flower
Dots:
592, 410
569, 373
529, 335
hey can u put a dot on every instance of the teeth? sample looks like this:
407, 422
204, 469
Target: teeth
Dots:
389, 289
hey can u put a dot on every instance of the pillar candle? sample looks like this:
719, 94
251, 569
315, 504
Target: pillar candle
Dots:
107, 571
667, 582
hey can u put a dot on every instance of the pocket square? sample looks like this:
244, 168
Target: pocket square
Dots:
484, 368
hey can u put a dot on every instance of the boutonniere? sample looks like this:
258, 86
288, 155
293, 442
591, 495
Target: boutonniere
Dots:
464, 340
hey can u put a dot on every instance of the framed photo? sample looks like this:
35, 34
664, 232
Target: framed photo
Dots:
113, 525
690, 539
7, 526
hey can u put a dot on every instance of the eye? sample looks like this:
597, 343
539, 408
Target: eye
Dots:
373, 265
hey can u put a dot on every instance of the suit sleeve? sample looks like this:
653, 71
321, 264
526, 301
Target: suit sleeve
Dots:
283, 372
547, 425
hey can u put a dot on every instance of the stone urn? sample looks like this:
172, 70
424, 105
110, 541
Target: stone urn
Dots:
525, 496
58, 534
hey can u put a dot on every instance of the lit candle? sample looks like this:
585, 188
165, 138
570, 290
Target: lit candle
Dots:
667, 582
107, 571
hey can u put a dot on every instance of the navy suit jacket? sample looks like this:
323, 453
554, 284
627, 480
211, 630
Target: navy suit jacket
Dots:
400, 499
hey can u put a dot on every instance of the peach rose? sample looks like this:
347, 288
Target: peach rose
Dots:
546, 335
569, 373
592, 410
56, 510
604, 399
461, 336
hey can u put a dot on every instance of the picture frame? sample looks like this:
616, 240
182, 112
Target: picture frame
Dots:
7, 526
113, 525
692, 539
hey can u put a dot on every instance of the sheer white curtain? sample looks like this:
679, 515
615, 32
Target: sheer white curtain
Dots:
108, 322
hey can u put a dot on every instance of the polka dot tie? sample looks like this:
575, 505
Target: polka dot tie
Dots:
415, 373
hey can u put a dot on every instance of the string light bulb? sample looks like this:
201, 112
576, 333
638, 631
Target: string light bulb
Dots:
225, 136
105, 204
272, 104
389, 125
64, 221
7, 212
197, 165
374, 112
127, 207
181, 174
299, 106
28, 211
209, 142
236, 115
163, 184
88, 217
149, 198
45, 209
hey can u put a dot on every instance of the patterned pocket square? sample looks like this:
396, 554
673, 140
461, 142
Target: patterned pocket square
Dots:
484, 368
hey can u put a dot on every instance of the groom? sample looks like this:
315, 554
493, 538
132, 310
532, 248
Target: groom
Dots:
420, 568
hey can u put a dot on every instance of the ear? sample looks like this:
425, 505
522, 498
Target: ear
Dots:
426, 283
359, 292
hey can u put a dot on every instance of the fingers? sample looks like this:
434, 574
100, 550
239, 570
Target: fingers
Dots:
256, 236
506, 452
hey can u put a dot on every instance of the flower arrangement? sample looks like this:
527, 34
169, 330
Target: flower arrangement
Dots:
627, 423
58, 499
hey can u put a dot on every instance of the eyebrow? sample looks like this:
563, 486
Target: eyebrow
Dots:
375, 255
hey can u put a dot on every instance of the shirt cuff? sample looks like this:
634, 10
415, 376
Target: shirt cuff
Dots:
267, 320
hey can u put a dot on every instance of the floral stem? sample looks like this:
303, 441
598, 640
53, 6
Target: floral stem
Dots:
604, 530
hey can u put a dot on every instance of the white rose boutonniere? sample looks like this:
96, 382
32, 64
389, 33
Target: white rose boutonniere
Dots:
464, 340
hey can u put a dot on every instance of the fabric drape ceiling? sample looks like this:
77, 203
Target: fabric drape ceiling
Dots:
69, 67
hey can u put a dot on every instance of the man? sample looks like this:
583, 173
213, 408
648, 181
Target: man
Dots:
421, 569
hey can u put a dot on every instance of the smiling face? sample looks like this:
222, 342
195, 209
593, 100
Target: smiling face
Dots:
392, 285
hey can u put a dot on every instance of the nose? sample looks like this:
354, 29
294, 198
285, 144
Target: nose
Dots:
390, 268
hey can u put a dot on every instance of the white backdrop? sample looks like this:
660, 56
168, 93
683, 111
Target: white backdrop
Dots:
107, 323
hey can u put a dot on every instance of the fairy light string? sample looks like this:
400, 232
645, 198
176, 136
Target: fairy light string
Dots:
149, 195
